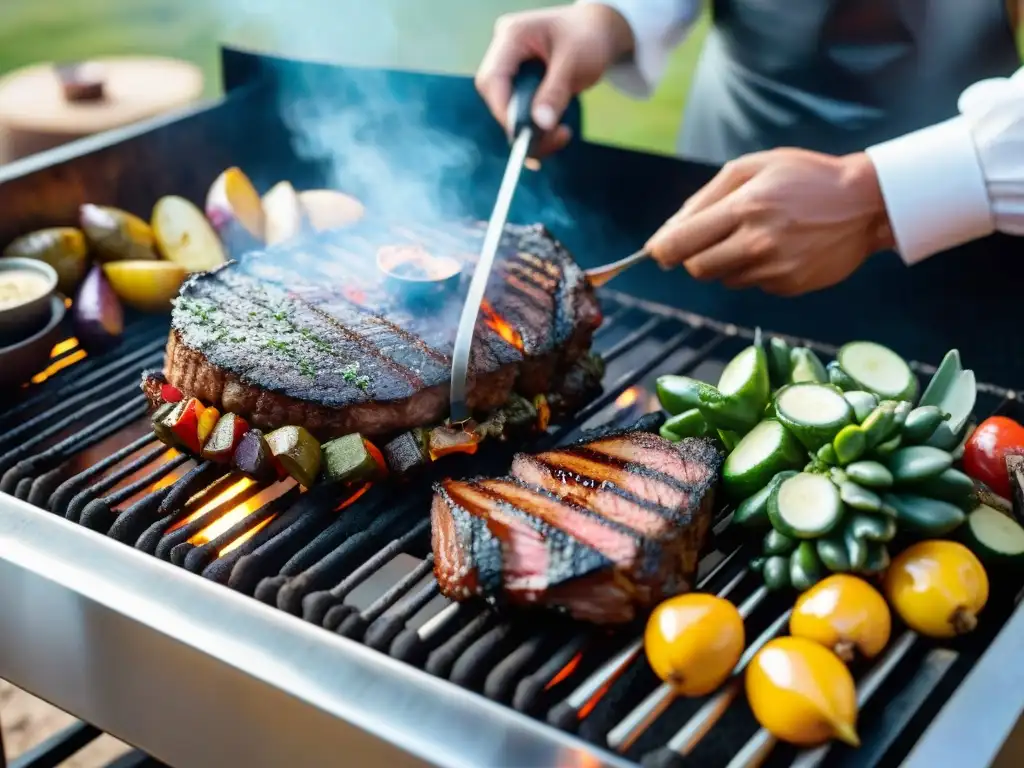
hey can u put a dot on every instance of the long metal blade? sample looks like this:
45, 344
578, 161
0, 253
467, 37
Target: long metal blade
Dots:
477, 286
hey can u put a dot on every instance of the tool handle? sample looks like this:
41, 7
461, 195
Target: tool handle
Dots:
524, 88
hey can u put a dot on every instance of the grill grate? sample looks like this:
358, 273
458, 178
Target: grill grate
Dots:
79, 445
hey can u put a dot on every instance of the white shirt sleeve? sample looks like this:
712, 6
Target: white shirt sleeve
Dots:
658, 27
954, 182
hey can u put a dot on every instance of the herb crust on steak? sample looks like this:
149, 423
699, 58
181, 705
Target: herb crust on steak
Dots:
310, 333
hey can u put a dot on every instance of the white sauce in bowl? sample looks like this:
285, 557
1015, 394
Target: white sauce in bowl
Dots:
20, 286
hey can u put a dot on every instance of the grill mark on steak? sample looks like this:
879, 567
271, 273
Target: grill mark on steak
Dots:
649, 551
603, 497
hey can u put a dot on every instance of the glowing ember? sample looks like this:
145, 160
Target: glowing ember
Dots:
226, 495
354, 497
627, 398
500, 326
593, 701
63, 346
59, 365
565, 671
234, 516
246, 536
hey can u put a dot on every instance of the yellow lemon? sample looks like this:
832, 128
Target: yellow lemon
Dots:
148, 286
844, 614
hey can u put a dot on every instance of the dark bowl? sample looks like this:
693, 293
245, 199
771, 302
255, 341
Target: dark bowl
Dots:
21, 361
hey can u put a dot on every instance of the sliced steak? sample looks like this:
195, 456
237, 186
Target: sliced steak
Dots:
645, 536
311, 333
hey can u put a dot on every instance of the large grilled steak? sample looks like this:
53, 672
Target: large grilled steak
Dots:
601, 530
312, 333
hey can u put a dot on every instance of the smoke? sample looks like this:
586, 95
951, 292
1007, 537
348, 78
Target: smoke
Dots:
377, 139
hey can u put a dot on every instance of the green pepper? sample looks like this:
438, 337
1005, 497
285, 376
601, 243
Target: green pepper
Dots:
686, 424
780, 365
348, 459
805, 568
298, 452
839, 377
806, 367
776, 573
678, 394
743, 391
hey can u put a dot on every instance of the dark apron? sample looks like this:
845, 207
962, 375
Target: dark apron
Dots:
837, 75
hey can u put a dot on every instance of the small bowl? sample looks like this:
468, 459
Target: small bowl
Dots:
20, 362
414, 273
20, 321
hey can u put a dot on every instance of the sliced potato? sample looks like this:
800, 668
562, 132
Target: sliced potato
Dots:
184, 235
283, 213
233, 202
329, 209
114, 234
63, 248
147, 286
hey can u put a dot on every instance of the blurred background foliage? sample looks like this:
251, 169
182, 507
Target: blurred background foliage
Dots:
438, 35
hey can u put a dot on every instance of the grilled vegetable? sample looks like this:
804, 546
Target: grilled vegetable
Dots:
148, 286
445, 440
678, 394
694, 641
63, 248
170, 393
805, 506
954, 391
349, 459
184, 236
986, 451
235, 210
283, 213
863, 403
298, 452
766, 450
813, 412
406, 452
752, 513
114, 234
689, 423
780, 364
877, 369
844, 614
805, 568
812, 701
938, 588
806, 367
160, 428
208, 419
923, 516
183, 423
326, 209
995, 538
252, 457
738, 402
224, 439
97, 315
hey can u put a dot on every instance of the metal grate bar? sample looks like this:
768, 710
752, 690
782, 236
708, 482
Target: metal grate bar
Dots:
58, 748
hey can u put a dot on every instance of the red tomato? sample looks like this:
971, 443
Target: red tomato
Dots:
985, 452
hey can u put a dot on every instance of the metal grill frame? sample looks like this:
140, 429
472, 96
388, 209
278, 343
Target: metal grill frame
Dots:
205, 649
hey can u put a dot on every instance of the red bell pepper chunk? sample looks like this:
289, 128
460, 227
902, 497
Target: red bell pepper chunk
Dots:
222, 442
183, 422
170, 393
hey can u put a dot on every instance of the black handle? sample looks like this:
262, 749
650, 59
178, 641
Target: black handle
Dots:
524, 88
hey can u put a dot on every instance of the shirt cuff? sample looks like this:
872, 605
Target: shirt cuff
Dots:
934, 189
639, 75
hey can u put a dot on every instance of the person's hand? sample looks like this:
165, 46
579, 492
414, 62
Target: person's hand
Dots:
576, 42
788, 221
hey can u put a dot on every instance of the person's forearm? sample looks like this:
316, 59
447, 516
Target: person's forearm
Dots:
657, 27
960, 180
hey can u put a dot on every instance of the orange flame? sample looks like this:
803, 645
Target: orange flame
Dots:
226, 495
353, 498
594, 700
59, 365
565, 671
63, 346
246, 536
627, 398
500, 326
236, 514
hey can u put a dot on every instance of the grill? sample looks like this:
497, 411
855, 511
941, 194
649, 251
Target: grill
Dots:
179, 593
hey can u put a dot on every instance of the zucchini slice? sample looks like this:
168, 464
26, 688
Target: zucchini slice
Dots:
813, 412
764, 451
805, 506
878, 369
995, 538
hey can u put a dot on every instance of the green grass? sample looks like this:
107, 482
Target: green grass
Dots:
439, 35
